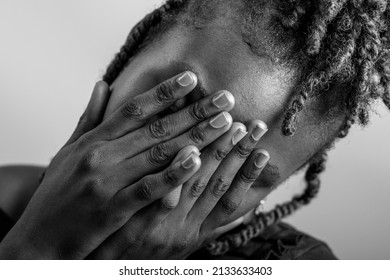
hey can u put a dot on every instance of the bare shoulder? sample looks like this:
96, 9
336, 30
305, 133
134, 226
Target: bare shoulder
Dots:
17, 185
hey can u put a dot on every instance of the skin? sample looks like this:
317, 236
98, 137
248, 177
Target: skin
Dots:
112, 176
220, 60
262, 90
85, 187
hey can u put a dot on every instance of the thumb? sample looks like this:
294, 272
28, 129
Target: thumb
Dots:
94, 112
172, 198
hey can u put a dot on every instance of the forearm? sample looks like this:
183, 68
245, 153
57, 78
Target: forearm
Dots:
15, 246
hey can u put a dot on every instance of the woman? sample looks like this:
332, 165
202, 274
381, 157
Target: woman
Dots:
242, 47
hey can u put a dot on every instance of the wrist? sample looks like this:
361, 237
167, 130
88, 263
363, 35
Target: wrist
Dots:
16, 246
10, 250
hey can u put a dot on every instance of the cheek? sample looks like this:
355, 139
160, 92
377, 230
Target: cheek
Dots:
123, 89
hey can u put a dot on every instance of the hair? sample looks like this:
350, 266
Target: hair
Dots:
339, 42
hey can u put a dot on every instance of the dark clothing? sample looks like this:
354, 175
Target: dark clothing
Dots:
277, 242
5, 224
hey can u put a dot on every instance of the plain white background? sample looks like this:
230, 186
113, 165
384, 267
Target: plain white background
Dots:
52, 53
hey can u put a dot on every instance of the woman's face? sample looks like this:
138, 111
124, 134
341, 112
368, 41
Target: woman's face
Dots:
261, 88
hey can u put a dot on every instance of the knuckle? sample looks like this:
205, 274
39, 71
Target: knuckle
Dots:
159, 154
229, 206
167, 205
170, 177
197, 135
165, 92
132, 110
145, 190
220, 187
94, 190
198, 112
219, 154
247, 176
158, 129
243, 151
92, 159
197, 189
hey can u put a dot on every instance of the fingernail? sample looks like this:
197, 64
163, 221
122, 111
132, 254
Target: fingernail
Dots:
185, 80
262, 159
220, 121
189, 162
259, 131
238, 135
221, 100
184, 154
196, 152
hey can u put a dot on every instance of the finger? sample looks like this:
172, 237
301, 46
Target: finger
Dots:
153, 187
132, 199
171, 200
211, 157
94, 112
137, 110
172, 125
226, 207
159, 156
224, 175
223, 229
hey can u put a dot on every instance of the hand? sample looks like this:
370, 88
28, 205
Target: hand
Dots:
106, 174
208, 201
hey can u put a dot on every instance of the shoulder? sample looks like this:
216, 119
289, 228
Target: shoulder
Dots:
17, 185
282, 241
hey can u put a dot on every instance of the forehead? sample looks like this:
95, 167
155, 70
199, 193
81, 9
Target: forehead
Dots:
252, 21
222, 60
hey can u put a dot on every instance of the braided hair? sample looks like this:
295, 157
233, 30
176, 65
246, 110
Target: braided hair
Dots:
339, 42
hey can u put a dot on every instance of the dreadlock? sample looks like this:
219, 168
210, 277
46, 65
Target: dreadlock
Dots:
348, 43
137, 37
340, 42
